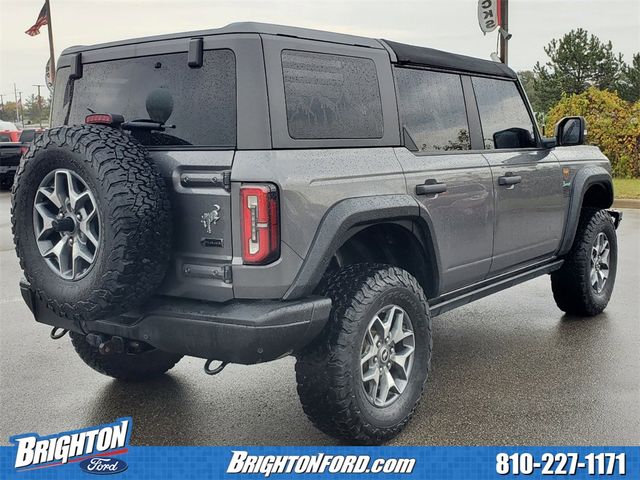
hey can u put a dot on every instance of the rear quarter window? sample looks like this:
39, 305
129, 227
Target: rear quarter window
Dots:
201, 102
331, 96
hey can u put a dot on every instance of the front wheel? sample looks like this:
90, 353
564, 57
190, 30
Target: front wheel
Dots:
584, 284
362, 379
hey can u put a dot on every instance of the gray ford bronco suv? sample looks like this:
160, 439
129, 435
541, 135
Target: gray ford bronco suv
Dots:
255, 191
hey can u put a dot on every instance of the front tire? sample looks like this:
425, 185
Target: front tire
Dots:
584, 283
350, 379
137, 367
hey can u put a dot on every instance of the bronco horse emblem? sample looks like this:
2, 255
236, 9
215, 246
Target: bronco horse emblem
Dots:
209, 218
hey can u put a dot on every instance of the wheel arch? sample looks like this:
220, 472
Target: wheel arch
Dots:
403, 234
592, 186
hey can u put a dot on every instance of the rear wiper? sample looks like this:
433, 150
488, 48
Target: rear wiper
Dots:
145, 124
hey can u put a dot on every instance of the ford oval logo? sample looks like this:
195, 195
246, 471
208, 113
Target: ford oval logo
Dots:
103, 465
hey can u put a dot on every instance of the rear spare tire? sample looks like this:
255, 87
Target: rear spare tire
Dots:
91, 221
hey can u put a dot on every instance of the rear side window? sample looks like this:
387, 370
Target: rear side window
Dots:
331, 96
199, 104
27, 136
432, 110
505, 120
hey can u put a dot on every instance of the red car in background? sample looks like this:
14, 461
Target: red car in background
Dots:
9, 132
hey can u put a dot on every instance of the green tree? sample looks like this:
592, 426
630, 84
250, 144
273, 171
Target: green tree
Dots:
36, 110
8, 112
612, 124
528, 80
577, 61
629, 88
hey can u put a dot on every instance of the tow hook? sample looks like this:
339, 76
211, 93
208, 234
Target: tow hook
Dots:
214, 371
57, 335
106, 347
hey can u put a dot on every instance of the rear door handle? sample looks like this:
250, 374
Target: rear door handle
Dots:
509, 180
431, 187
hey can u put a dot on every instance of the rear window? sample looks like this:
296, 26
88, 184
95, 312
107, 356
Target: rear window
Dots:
331, 96
4, 137
200, 102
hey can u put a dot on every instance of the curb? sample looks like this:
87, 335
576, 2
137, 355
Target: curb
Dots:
626, 203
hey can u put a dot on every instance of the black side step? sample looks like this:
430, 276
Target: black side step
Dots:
461, 297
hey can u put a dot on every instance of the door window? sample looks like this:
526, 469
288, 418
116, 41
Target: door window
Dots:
432, 110
505, 119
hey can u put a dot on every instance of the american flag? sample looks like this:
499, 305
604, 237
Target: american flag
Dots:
43, 19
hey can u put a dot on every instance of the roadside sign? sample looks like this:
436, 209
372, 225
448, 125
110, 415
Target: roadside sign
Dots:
488, 15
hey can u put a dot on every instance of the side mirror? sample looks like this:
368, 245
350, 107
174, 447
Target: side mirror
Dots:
571, 131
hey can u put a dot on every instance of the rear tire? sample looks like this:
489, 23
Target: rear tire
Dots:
578, 287
332, 372
133, 367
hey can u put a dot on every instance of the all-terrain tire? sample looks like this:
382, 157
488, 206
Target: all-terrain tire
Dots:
328, 371
135, 220
133, 367
571, 284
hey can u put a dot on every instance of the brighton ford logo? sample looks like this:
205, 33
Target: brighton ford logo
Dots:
94, 448
103, 466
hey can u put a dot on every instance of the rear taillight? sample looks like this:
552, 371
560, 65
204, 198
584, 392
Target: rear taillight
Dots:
260, 227
23, 150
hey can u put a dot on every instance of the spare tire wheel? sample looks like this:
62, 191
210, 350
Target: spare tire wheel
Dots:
91, 221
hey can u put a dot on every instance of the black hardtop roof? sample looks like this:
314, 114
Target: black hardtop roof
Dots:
406, 54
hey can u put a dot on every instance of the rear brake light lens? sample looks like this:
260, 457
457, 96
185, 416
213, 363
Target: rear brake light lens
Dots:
104, 119
260, 225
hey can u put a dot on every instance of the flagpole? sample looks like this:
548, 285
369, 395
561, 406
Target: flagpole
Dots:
52, 64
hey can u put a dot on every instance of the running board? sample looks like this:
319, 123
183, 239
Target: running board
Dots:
461, 297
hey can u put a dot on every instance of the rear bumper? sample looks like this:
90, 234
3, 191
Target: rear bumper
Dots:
244, 332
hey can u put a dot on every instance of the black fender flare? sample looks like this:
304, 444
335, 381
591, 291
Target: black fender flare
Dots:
585, 178
344, 219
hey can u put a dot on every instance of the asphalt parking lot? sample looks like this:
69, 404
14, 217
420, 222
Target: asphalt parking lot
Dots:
507, 370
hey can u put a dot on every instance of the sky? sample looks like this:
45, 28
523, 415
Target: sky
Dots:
450, 25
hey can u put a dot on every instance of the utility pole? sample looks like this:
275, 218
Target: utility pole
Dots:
15, 94
39, 104
21, 109
504, 29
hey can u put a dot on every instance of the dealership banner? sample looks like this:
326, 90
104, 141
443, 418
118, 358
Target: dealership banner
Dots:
105, 450
336, 462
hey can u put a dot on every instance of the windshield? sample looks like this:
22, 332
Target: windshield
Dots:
197, 104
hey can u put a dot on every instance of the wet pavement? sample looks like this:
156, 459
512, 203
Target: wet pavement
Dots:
507, 370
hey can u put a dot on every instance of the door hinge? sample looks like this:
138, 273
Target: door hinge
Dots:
226, 181
222, 272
